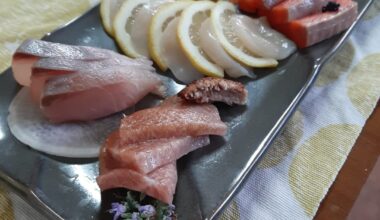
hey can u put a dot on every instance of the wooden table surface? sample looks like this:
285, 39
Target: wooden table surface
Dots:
356, 192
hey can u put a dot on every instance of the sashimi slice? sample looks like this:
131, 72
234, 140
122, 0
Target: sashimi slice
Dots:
38, 80
175, 118
268, 4
88, 95
174, 56
78, 140
147, 156
31, 50
46, 68
259, 6
159, 184
290, 10
315, 28
260, 39
212, 89
140, 26
67, 64
217, 54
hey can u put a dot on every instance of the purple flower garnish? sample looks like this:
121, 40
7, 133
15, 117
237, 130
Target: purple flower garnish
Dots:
117, 209
135, 216
171, 209
147, 211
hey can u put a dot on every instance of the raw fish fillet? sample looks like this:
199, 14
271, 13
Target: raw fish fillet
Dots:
318, 27
290, 10
174, 118
160, 183
87, 95
45, 68
212, 89
147, 156
31, 50
75, 140
259, 6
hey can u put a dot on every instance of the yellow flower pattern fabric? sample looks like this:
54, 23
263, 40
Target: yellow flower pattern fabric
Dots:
22, 19
299, 168
296, 173
6, 211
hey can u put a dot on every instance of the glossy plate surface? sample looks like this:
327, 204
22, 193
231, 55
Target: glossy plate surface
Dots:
66, 188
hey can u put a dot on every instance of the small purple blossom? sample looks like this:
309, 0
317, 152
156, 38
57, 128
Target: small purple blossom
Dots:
135, 216
117, 209
147, 211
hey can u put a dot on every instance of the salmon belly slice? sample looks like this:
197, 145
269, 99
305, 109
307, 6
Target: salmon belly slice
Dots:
174, 118
160, 183
290, 10
315, 28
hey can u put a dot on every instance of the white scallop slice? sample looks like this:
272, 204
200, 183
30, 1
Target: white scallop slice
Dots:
259, 38
76, 140
174, 56
108, 10
217, 54
140, 26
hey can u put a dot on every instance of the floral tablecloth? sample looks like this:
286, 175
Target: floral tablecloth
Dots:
299, 168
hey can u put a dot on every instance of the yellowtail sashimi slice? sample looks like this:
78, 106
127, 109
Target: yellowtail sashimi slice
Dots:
77, 140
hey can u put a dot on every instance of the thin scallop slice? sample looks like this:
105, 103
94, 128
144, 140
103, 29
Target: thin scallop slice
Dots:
174, 56
76, 140
140, 26
108, 10
259, 38
221, 14
217, 54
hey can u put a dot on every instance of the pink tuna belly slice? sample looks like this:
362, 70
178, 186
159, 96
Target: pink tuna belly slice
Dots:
172, 119
83, 96
146, 156
159, 184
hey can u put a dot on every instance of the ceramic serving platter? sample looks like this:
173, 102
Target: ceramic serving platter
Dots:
64, 188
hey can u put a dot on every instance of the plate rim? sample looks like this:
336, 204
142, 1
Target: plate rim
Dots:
256, 156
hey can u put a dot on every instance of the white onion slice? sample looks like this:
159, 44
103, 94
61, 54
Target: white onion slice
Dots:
77, 140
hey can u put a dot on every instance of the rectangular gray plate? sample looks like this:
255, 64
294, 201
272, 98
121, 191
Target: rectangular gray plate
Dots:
208, 178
